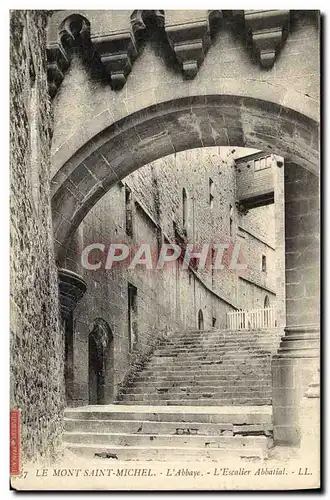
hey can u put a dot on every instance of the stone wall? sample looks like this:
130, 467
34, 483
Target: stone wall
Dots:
169, 300
36, 347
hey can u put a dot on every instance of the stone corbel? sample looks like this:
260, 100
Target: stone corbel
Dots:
57, 65
117, 52
138, 18
267, 28
74, 32
73, 35
188, 33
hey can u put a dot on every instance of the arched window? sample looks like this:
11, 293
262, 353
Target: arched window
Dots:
184, 209
200, 320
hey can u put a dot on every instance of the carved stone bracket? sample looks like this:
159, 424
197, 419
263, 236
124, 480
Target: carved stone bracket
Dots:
117, 52
57, 65
188, 33
74, 32
138, 18
114, 37
267, 28
73, 35
71, 289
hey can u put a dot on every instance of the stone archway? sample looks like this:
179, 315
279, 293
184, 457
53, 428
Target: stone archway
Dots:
172, 126
100, 357
117, 130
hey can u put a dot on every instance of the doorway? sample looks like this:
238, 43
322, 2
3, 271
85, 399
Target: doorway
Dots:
100, 361
266, 311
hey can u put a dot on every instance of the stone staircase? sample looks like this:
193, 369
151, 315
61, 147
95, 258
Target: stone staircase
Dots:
204, 395
212, 367
168, 433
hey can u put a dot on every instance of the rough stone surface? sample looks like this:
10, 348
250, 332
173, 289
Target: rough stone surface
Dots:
36, 347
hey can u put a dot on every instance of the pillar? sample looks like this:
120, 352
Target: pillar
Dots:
298, 356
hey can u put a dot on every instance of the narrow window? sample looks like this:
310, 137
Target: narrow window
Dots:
200, 320
211, 192
231, 212
184, 209
263, 263
132, 316
214, 322
128, 211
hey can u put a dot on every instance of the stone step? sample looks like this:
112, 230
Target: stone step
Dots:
237, 415
198, 380
246, 336
216, 369
242, 334
168, 428
186, 393
152, 427
178, 393
230, 355
222, 342
155, 441
216, 349
227, 362
273, 330
205, 385
132, 399
165, 454
192, 388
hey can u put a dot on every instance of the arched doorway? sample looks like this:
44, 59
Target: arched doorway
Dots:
200, 320
100, 361
266, 312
